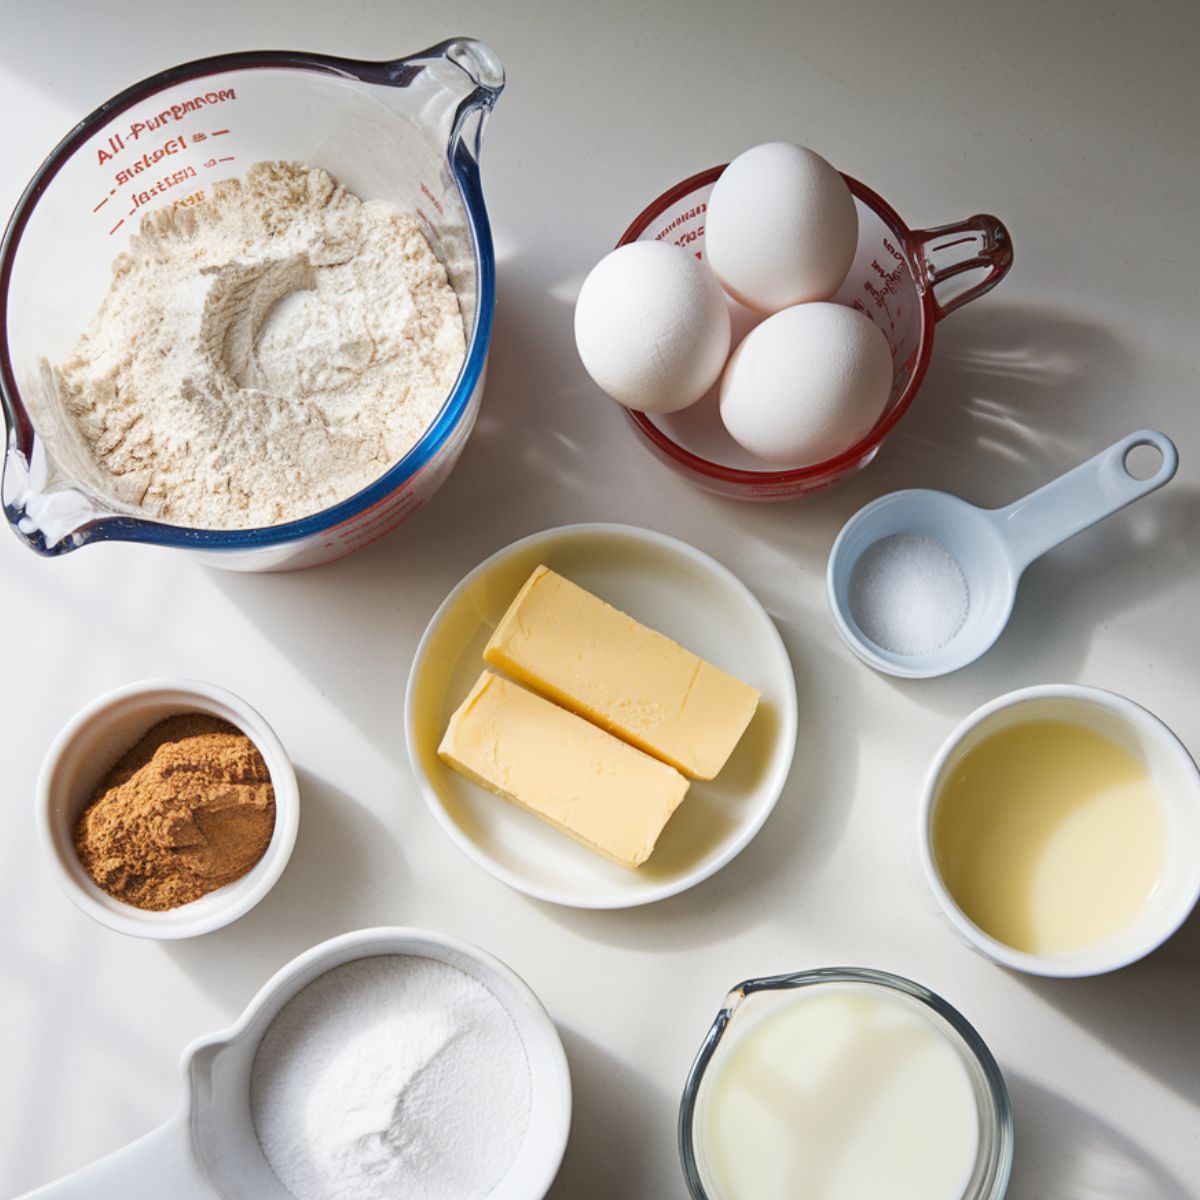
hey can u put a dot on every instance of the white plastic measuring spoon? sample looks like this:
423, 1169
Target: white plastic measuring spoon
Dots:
209, 1151
992, 546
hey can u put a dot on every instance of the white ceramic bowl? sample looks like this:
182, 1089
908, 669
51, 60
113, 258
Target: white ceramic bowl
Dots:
217, 1069
1176, 781
670, 586
93, 740
209, 1147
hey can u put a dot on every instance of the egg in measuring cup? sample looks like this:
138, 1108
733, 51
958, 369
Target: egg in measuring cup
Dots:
781, 227
806, 383
652, 327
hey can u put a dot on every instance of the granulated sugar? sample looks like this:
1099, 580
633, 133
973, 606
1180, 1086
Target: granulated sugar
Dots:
392, 1076
260, 356
908, 594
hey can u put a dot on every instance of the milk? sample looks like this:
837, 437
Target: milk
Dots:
836, 1091
1049, 836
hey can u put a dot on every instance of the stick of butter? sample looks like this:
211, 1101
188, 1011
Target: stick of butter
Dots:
574, 648
607, 795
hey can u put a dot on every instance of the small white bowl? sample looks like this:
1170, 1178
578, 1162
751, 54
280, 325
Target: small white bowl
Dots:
1176, 782
92, 742
670, 586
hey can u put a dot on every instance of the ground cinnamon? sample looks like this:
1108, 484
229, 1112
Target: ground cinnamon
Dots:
187, 810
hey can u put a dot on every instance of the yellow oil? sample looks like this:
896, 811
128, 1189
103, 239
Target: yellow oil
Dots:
1049, 836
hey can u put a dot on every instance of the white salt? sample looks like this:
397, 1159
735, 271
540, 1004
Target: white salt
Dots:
908, 594
391, 1076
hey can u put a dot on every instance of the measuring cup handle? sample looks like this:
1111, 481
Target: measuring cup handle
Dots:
159, 1165
1074, 501
980, 243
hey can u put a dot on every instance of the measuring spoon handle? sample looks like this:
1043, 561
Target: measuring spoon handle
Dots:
1071, 503
159, 1166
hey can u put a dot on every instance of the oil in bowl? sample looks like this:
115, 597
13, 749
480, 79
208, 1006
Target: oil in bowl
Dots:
1049, 836
1059, 830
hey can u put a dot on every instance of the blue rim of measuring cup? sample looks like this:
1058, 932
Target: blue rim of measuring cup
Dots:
463, 165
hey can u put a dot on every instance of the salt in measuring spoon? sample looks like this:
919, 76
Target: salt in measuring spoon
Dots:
209, 1151
992, 546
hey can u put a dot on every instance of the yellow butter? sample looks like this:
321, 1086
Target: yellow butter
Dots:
607, 795
592, 658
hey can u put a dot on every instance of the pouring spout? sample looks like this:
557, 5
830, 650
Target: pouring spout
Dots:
467, 71
49, 519
481, 65
466, 77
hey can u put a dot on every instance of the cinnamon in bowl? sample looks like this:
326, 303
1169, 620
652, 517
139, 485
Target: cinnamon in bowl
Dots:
167, 808
188, 809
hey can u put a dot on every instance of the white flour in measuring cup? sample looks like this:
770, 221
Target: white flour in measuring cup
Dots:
391, 1076
260, 356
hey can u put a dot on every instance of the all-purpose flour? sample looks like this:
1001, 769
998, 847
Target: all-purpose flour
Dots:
262, 355
393, 1076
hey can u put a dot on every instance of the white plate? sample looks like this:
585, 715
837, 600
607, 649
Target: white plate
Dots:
670, 586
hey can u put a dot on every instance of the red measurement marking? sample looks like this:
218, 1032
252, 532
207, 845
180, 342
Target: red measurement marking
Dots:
432, 198
116, 227
227, 158
102, 203
218, 132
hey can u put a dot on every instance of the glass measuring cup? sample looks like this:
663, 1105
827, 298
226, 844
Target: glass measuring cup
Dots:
747, 1003
406, 130
992, 546
906, 280
209, 1151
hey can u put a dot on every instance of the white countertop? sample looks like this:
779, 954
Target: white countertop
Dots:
1076, 125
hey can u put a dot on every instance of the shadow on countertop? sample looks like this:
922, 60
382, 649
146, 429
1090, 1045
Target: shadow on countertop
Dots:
339, 844
998, 416
999, 413
1145, 1013
1008, 391
1064, 1152
1136, 560
609, 1149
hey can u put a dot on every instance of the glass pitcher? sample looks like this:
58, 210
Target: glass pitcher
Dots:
405, 130
749, 1002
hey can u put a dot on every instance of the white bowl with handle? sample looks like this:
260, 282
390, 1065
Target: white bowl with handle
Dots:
209, 1151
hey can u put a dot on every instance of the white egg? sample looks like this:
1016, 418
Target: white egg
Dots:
652, 326
806, 384
781, 227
